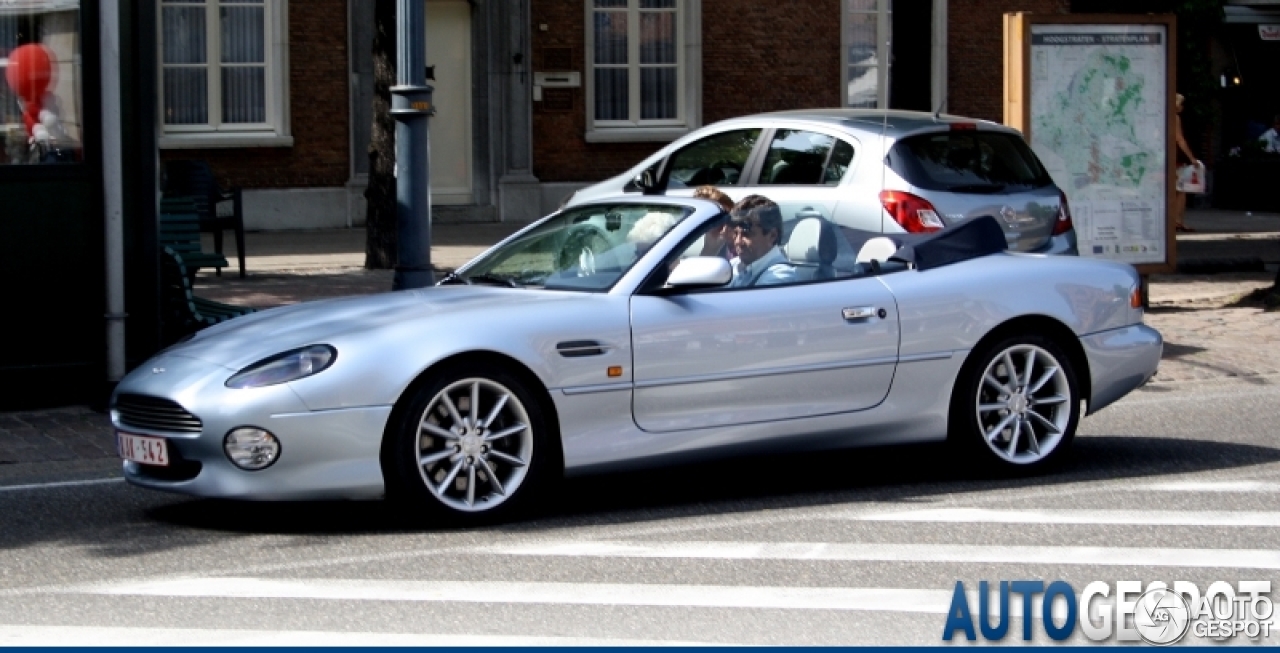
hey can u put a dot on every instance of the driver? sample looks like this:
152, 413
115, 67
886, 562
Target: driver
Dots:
757, 227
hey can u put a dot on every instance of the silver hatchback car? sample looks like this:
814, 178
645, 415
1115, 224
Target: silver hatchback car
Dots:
875, 170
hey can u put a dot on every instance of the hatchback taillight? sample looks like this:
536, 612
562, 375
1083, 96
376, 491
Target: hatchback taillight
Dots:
915, 214
1063, 223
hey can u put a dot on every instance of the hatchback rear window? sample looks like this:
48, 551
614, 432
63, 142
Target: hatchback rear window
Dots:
968, 162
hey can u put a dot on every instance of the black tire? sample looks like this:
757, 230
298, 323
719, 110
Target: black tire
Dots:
471, 477
988, 419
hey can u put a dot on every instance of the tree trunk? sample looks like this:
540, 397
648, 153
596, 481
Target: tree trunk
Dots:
380, 216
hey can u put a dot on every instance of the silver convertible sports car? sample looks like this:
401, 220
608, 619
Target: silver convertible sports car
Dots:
606, 336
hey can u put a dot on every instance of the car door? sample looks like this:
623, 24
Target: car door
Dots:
737, 356
801, 170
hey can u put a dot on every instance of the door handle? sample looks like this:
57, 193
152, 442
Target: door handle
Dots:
858, 313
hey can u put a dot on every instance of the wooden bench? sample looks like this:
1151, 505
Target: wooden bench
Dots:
185, 313
180, 230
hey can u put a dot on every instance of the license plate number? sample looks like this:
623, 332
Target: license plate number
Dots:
144, 450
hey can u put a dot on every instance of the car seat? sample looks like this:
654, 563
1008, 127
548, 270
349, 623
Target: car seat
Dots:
876, 251
812, 248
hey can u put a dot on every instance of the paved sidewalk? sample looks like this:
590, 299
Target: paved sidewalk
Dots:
1208, 332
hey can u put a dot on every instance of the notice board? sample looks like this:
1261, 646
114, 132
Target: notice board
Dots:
1093, 96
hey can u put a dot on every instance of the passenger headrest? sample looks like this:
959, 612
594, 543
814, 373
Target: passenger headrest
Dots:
879, 248
812, 241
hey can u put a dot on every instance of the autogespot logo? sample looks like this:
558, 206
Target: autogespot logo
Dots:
1158, 614
1161, 617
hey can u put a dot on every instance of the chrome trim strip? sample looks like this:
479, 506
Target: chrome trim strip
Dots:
931, 356
589, 389
729, 376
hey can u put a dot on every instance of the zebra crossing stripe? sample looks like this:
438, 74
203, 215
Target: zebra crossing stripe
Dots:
898, 552
1215, 518
20, 635
651, 595
1214, 486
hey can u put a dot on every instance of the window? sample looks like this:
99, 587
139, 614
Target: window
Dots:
585, 249
717, 160
866, 41
641, 82
895, 53
223, 73
40, 97
805, 158
970, 162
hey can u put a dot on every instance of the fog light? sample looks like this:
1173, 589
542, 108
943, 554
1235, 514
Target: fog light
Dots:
251, 448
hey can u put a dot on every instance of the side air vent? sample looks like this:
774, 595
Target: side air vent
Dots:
155, 414
580, 348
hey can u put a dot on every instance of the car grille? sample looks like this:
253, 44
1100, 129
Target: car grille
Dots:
155, 414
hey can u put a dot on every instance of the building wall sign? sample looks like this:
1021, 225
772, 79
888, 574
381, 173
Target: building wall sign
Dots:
1269, 32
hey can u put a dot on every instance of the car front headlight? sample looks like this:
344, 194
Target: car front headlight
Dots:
283, 368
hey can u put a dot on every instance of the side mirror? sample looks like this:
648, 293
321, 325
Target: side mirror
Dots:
700, 272
646, 183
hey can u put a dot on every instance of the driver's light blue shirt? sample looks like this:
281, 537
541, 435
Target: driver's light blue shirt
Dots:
770, 269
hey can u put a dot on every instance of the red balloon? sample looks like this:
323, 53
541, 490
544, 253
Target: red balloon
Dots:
29, 72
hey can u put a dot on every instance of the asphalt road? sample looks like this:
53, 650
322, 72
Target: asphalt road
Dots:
1178, 481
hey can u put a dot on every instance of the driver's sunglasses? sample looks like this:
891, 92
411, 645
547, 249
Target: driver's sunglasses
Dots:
744, 226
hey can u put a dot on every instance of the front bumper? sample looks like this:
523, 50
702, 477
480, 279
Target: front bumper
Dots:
1120, 360
323, 454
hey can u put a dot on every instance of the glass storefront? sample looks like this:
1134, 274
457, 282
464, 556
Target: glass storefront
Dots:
41, 99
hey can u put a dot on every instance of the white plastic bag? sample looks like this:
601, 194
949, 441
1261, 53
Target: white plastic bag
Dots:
1191, 178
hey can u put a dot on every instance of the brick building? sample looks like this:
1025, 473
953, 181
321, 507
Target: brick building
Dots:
538, 97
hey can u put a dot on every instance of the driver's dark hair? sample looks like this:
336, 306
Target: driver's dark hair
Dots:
762, 210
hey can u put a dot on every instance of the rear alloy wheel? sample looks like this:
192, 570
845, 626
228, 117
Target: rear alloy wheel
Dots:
472, 446
1017, 405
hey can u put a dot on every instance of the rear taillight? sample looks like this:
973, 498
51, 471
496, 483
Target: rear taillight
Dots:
1063, 223
915, 214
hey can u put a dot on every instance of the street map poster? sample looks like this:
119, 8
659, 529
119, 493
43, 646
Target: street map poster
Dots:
1097, 113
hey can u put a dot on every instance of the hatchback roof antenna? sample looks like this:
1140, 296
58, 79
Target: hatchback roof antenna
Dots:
941, 104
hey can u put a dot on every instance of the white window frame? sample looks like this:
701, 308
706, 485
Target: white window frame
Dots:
688, 76
275, 131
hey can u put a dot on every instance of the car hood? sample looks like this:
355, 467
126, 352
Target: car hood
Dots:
250, 338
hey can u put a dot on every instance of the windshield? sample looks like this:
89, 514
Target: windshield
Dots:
585, 248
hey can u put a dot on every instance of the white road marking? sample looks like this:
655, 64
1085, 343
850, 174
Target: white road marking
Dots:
899, 552
18, 635
1214, 486
45, 486
1076, 517
700, 596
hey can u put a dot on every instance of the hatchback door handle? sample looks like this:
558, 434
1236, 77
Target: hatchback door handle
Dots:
859, 312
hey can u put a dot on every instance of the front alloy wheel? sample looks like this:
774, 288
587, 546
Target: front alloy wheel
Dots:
474, 445
470, 445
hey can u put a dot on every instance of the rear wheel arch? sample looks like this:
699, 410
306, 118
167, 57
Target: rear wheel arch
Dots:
1045, 326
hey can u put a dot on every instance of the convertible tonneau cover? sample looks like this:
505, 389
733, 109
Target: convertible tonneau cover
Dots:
959, 242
